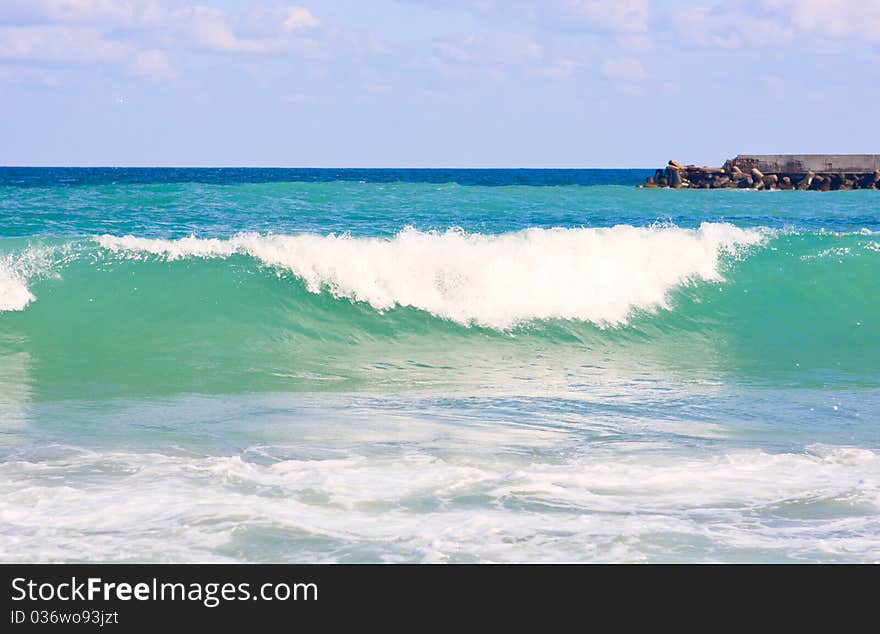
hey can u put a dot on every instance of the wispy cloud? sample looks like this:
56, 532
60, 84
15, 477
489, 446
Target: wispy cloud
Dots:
619, 16
75, 11
504, 40
299, 18
625, 68
831, 18
154, 65
775, 23
493, 54
59, 44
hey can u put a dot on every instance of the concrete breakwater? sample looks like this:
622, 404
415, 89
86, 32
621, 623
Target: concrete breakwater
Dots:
815, 172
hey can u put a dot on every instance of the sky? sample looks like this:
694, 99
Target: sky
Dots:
423, 83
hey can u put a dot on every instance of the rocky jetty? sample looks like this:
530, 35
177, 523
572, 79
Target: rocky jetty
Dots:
731, 175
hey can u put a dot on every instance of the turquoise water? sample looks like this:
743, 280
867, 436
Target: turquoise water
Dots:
433, 366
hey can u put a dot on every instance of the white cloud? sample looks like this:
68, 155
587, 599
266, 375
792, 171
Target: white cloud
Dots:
374, 88
493, 54
144, 22
626, 68
616, 15
59, 44
90, 10
559, 69
512, 38
258, 31
775, 84
831, 18
299, 18
299, 99
635, 41
17, 73
633, 90
56, 11
778, 22
211, 29
140, 36
503, 48
723, 28
153, 64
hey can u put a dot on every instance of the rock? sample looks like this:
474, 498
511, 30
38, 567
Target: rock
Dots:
691, 176
705, 175
822, 183
866, 181
807, 181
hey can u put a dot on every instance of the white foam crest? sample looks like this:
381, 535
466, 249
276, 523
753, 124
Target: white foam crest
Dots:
14, 293
21, 268
599, 275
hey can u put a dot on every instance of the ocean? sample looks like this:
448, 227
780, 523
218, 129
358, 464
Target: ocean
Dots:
296, 365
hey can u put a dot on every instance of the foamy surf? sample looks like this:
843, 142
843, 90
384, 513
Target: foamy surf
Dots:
600, 275
417, 507
14, 294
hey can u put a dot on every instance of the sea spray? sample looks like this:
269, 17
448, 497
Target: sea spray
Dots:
14, 293
598, 275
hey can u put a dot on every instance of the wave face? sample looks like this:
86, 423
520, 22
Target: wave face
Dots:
425, 309
595, 275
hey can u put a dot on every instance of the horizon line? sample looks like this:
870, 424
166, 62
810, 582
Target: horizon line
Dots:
314, 167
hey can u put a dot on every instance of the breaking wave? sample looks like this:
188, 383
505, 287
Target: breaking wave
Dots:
596, 275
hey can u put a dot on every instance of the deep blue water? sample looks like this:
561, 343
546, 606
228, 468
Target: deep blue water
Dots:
52, 176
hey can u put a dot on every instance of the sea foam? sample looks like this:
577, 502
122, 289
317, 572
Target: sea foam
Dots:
814, 504
599, 275
14, 294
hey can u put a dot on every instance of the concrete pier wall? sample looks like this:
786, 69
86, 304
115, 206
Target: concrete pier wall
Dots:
803, 163
817, 172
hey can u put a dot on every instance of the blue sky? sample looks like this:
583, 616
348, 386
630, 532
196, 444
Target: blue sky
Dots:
479, 83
